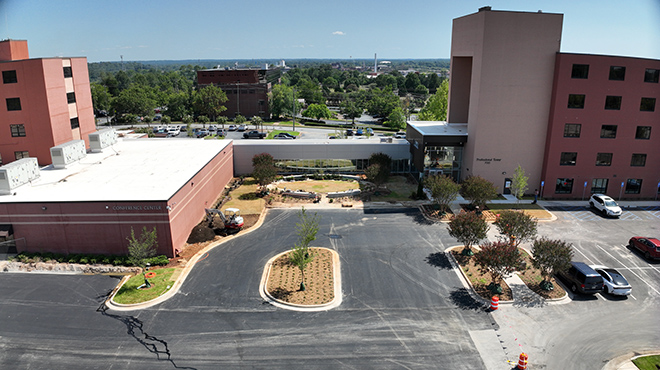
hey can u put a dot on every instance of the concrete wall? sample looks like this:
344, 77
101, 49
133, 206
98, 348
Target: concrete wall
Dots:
512, 56
591, 118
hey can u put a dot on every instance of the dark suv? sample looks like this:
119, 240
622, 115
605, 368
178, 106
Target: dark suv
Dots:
582, 278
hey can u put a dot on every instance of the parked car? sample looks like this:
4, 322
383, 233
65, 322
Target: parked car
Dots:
650, 247
183, 128
240, 128
202, 133
400, 135
582, 278
370, 131
359, 132
212, 128
280, 136
613, 282
606, 205
221, 132
254, 134
286, 134
173, 131
349, 132
231, 128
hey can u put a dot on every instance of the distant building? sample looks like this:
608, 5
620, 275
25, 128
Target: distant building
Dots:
247, 89
44, 102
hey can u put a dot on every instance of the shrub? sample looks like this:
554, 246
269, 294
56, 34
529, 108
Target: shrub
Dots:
161, 260
83, 260
248, 196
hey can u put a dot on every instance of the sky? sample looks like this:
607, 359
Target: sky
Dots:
264, 29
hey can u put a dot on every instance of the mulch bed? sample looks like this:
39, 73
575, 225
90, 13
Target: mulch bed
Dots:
284, 279
478, 280
432, 212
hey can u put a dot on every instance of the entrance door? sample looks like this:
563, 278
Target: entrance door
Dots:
507, 186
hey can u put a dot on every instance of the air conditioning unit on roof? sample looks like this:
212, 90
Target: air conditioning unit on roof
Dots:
102, 139
67, 153
17, 173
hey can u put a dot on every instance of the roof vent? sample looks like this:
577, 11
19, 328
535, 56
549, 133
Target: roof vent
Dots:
17, 173
67, 153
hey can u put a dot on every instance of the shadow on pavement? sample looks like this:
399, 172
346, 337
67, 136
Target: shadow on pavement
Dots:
439, 260
462, 299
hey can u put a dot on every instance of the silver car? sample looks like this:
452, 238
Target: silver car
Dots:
613, 282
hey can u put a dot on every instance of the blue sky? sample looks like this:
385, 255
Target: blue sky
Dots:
339, 29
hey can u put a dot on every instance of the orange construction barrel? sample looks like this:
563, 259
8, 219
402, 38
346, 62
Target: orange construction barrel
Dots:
494, 303
522, 361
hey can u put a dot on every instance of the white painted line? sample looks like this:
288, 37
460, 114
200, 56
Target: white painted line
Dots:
584, 255
631, 271
632, 296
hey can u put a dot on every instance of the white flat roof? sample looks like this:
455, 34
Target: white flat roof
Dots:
439, 128
299, 142
130, 170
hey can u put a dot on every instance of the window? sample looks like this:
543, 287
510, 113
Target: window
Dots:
638, 160
613, 102
71, 97
13, 104
617, 73
608, 132
67, 72
643, 132
604, 159
9, 77
568, 159
633, 186
647, 105
75, 123
572, 130
564, 186
652, 75
599, 186
576, 101
21, 154
580, 71
17, 130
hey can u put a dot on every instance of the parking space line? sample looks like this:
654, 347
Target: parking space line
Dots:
631, 271
584, 255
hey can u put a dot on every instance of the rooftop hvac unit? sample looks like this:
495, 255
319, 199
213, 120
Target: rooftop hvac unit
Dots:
102, 139
67, 153
17, 173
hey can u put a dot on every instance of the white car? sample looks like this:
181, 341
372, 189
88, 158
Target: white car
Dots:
400, 135
173, 131
606, 205
232, 128
613, 282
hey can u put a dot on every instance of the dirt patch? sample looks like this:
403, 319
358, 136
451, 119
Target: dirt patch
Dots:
532, 278
432, 212
284, 279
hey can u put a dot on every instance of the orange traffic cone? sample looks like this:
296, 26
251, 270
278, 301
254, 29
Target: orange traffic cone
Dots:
522, 361
494, 303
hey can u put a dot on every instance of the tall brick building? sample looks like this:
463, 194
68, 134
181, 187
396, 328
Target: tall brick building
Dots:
44, 102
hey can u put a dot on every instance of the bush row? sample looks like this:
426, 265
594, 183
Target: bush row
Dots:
318, 176
84, 259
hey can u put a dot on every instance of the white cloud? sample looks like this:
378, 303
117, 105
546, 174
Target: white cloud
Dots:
340, 33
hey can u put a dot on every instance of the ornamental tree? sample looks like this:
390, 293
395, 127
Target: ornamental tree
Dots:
551, 256
301, 255
468, 228
443, 189
380, 165
143, 247
263, 168
516, 226
498, 259
317, 111
478, 190
519, 183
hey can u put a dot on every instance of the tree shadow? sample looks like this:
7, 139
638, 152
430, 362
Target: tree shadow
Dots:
525, 297
440, 260
463, 300
135, 328
281, 294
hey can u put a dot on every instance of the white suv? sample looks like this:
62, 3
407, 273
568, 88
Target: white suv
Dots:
605, 204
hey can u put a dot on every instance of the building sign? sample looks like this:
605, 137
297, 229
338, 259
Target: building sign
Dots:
488, 160
137, 208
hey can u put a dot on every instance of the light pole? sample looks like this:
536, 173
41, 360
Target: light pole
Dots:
293, 109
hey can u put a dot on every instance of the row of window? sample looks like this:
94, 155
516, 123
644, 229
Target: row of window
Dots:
565, 186
14, 104
602, 159
10, 77
576, 101
606, 131
18, 130
617, 73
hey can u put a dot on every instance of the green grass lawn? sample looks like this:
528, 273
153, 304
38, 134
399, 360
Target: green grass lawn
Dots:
161, 283
647, 362
400, 190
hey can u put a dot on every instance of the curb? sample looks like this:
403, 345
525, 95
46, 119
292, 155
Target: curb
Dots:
111, 304
336, 301
466, 282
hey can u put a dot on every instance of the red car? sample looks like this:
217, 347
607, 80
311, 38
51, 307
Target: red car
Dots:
650, 247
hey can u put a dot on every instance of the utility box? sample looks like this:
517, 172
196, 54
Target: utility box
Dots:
100, 140
67, 153
17, 173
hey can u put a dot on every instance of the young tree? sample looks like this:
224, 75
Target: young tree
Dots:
300, 255
222, 120
396, 119
209, 101
317, 111
516, 226
142, 248
468, 228
380, 165
351, 109
498, 259
478, 190
166, 120
519, 183
239, 119
256, 121
443, 189
203, 120
551, 256
263, 168
436, 107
